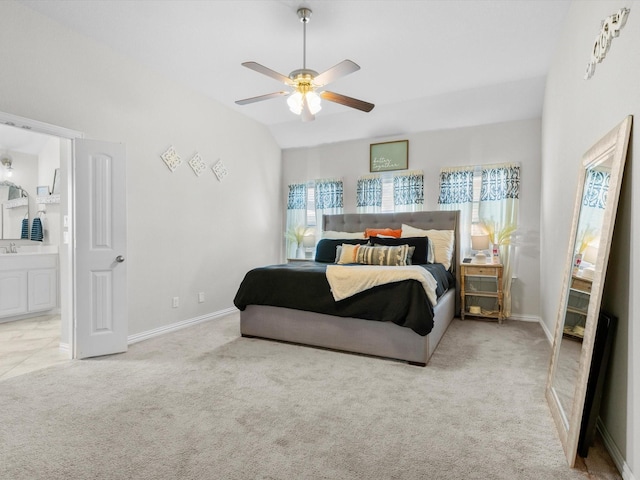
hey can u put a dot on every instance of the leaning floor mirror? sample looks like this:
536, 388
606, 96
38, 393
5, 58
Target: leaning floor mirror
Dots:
599, 182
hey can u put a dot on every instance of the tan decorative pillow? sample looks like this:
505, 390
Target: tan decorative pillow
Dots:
348, 253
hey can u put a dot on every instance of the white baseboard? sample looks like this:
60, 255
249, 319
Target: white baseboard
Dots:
613, 450
535, 318
524, 318
138, 337
547, 332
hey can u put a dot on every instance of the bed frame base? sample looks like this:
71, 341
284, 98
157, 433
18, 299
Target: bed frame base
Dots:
380, 339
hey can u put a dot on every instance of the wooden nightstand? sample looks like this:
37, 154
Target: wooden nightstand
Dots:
577, 307
481, 290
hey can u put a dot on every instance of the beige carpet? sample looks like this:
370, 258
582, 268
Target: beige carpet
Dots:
203, 403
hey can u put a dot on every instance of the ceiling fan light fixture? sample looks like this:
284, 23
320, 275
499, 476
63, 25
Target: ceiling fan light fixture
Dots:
313, 101
7, 162
297, 99
295, 102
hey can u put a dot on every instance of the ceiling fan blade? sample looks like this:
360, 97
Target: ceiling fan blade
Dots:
268, 72
260, 98
343, 68
347, 101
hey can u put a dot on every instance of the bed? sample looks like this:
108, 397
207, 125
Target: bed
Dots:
397, 337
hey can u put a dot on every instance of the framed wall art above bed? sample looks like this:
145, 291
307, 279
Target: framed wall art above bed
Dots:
387, 156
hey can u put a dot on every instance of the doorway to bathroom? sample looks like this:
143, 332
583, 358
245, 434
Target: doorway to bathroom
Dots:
86, 202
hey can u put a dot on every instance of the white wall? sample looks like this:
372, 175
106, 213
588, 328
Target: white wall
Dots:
577, 113
186, 234
430, 151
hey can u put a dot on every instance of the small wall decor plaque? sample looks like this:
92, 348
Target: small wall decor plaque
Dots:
171, 158
197, 164
609, 29
389, 156
220, 170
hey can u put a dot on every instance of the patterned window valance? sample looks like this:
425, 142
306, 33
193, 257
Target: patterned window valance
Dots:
500, 182
408, 188
329, 194
456, 186
297, 199
596, 189
369, 191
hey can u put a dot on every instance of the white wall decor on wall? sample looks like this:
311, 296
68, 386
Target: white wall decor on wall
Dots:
610, 29
197, 164
220, 170
171, 158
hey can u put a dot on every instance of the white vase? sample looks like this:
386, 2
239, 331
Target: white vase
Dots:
300, 252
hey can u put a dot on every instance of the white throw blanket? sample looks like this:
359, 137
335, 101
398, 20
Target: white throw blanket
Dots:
347, 280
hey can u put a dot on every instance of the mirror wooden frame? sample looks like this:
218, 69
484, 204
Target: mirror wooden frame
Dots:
613, 145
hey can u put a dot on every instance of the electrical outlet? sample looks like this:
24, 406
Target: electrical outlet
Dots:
176, 302
200, 297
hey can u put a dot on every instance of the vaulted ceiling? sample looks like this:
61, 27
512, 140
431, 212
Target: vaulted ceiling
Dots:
425, 64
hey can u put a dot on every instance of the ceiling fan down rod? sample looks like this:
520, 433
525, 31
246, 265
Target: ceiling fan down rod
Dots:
304, 14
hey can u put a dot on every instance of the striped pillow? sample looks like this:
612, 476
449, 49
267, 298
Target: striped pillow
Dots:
392, 256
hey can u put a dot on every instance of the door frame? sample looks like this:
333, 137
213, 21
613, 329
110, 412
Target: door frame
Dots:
67, 266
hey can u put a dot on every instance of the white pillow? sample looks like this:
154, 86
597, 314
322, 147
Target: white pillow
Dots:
442, 241
342, 235
348, 253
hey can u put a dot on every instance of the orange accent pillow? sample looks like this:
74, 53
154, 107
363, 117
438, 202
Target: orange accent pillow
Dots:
387, 232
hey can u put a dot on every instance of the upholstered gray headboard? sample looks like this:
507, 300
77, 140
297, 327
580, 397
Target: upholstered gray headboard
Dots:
438, 220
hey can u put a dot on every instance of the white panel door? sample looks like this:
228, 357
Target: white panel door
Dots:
100, 272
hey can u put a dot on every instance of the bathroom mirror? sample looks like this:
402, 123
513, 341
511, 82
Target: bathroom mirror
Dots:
35, 157
599, 181
14, 209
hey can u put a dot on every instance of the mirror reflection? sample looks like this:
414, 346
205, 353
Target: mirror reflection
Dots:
575, 357
28, 161
585, 254
15, 211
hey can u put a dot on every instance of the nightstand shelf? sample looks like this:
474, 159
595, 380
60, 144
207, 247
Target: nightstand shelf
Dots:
577, 307
481, 291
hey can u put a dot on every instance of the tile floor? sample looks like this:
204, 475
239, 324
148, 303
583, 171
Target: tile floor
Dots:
29, 345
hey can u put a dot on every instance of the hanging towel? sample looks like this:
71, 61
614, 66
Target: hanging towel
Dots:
24, 235
37, 232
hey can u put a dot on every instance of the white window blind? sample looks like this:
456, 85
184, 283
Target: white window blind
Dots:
311, 204
387, 193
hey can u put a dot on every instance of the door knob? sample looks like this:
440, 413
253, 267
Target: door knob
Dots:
119, 259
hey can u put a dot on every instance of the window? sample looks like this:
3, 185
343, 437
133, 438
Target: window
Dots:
311, 204
477, 187
387, 194
390, 192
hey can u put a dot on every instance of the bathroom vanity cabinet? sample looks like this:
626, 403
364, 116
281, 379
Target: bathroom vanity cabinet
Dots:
28, 283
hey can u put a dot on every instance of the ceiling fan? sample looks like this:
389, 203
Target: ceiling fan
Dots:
304, 98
